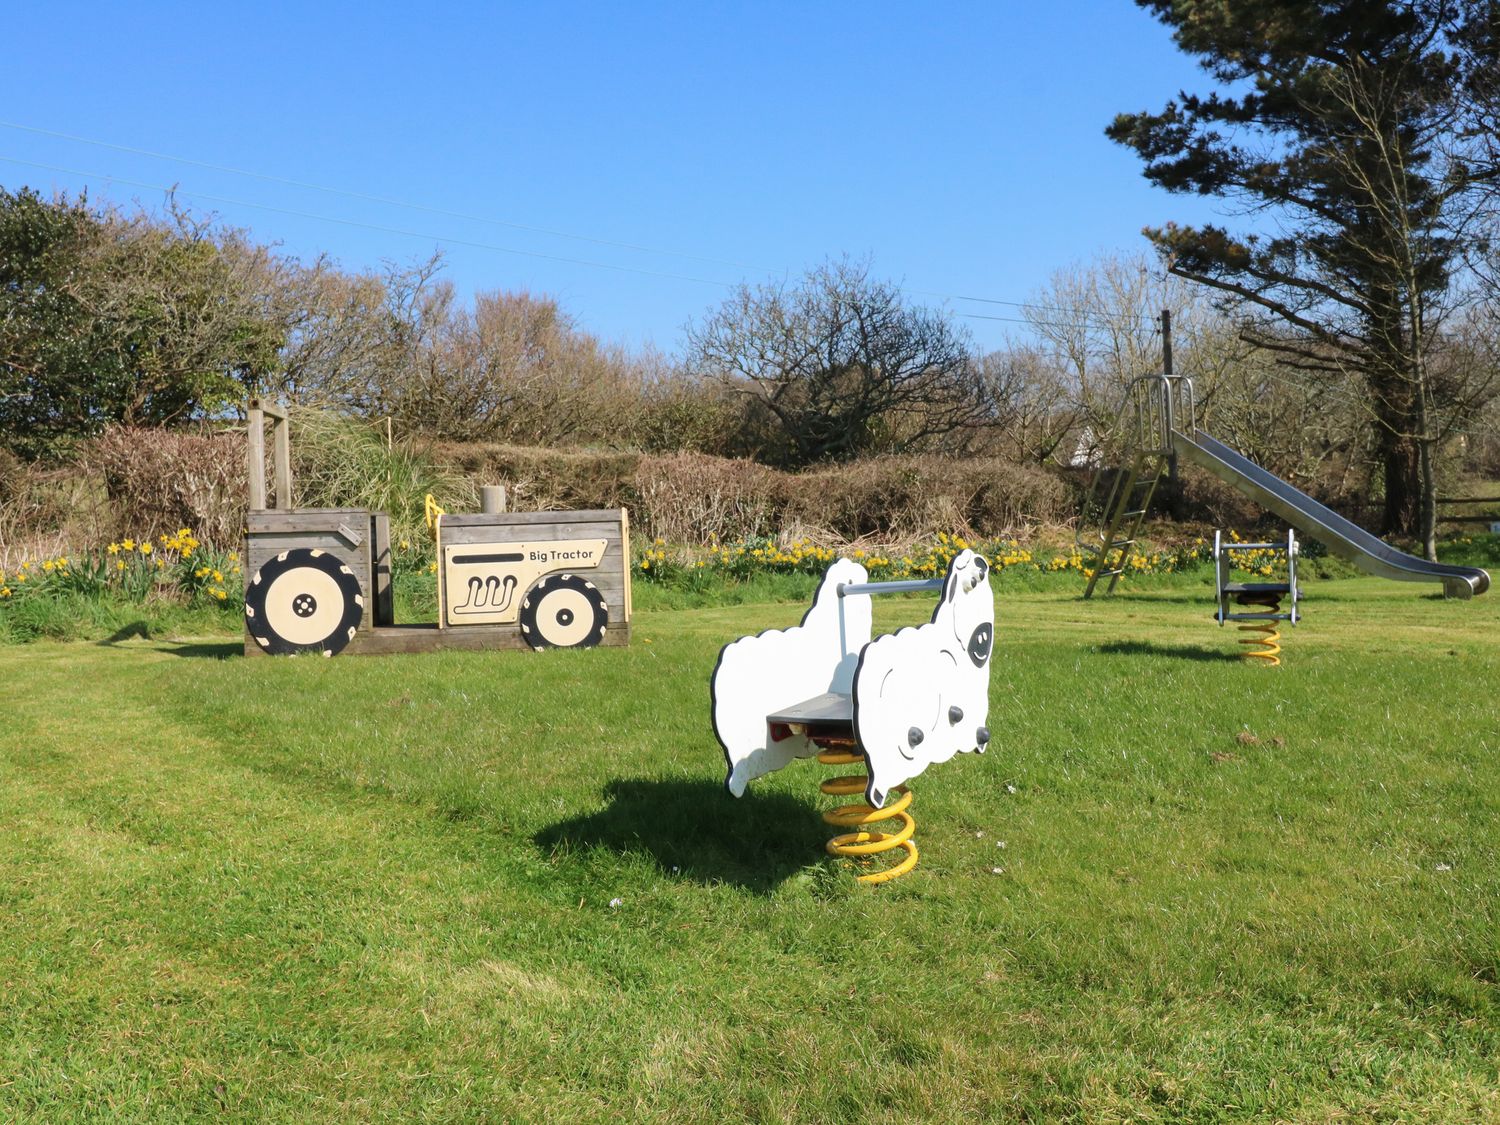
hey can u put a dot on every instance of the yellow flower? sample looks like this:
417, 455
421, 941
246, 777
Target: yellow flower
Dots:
113, 548
128, 544
49, 566
145, 548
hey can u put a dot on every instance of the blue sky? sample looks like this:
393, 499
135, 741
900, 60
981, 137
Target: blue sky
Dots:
676, 148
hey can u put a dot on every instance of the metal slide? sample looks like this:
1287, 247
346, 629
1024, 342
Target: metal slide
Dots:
1345, 539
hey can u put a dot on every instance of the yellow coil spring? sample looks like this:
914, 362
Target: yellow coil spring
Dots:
1263, 633
863, 844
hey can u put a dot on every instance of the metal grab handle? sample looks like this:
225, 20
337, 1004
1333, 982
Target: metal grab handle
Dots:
910, 585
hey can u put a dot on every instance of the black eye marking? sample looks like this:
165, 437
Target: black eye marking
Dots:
980, 642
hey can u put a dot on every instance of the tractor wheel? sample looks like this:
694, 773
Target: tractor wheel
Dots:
303, 600
563, 611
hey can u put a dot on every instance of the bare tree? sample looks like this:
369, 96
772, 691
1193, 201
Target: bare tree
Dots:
838, 365
1027, 403
1098, 326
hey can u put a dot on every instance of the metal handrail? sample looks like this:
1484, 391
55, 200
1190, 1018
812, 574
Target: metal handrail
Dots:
903, 586
1162, 403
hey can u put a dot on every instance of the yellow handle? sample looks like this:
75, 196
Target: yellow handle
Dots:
432, 510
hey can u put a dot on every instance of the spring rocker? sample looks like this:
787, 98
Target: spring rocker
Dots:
1262, 600
895, 704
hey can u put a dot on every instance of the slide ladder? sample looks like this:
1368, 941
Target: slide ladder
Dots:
1108, 528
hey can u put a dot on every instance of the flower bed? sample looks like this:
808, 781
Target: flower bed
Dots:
179, 566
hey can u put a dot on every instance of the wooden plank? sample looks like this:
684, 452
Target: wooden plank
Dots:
275, 521
521, 519
380, 560
461, 534
256, 457
269, 409
625, 559
393, 639
281, 437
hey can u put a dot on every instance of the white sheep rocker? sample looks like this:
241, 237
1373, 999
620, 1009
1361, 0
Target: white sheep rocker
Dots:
899, 702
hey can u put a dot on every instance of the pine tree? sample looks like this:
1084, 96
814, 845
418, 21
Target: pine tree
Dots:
1346, 129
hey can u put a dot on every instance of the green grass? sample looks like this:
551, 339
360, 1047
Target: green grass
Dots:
310, 890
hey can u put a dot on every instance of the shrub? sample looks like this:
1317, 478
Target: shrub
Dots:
907, 497
698, 498
160, 480
695, 498
545, 479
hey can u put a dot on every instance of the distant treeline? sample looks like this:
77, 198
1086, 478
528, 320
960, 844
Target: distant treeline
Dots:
167, 319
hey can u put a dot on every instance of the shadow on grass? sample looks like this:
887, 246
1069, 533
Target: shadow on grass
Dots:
208, 650
755, 842
203, 650
1180, 652
1180, 596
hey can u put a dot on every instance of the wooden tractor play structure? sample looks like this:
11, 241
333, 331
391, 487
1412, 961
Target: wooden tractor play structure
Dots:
319, 579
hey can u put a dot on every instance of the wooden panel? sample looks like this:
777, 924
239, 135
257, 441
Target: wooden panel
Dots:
612, 577
272, 532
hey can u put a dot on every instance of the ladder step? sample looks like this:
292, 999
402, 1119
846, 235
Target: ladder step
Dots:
1107, 573
1132, 515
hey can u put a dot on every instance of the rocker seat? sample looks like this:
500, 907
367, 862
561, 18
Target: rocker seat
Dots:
828, 715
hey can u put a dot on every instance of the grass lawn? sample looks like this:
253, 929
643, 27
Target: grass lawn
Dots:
1177, 888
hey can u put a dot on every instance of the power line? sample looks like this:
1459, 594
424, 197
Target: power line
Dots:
368, 226
371, 198
1030, 306
1102, 325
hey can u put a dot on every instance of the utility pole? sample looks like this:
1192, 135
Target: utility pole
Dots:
1174, 488
1166, 342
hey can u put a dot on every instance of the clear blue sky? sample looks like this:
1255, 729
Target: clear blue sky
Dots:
959, 146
